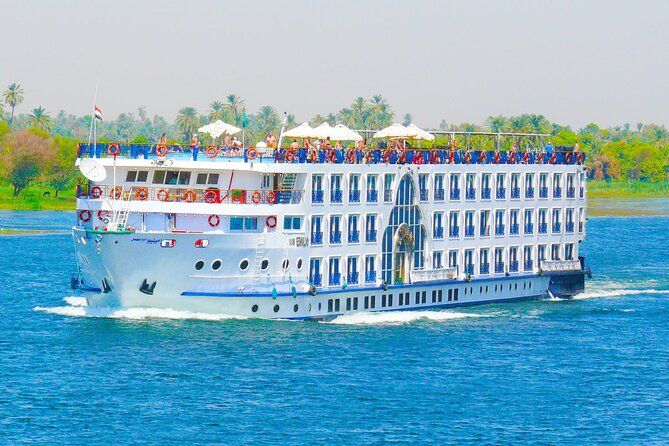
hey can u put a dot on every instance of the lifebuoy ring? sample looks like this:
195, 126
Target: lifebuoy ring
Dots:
84, 215
434, 157
271, 221
115, 192
271, 197
451, 157
386, 156
418, 158
190, 196
142, 193
113, 149
214, 220
102, 214
212, 152
256, 196
579, 158
252, 153
498, 157
568, 157
540, 157
526, 158
482, 157
161, 150
163, 195
553, 159
468, 157
313, 155
96, 192
350, 156
290, 155
331, 156
210, 196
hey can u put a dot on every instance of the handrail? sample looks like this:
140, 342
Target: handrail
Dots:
182, 193
436, 155
560, 265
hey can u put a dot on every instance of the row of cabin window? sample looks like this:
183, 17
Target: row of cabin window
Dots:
438, 181
387, 301
290, 223
467, 257
171, 177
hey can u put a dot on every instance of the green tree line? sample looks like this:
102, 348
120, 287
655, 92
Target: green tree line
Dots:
37, 145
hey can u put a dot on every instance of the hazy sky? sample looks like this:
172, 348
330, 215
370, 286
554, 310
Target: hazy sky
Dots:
573, 61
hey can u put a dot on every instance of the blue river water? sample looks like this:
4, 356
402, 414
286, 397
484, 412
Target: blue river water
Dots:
593, 370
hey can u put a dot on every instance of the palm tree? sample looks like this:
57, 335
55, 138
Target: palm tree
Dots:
291, 121
187, 121
217, 111
496, 124
13, 96
318, 119
408, 119
235, 106
331, 119
267, 119
141, 111
39, 118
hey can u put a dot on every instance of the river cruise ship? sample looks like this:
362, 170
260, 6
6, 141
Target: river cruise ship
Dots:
317, 233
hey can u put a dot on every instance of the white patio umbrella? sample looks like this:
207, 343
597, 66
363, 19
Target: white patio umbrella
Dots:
396, 130
342, 133
323, 131
216, 129
420, 133
303, 130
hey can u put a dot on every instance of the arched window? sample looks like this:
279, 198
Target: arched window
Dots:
405, 211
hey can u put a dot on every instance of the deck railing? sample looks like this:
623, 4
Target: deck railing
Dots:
172, 193
438, 155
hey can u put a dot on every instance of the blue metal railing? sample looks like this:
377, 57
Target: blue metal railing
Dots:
354, 236
424, 194
500, 193
469, 231
528, 265
335, 279
499, 267
370, 236
529, 192
515, 192
438, 232
454, 231
485, 231
469, 269
556, 228
543, 228
514, 229
571, 192
439, 195
352, 277
543, 192
499, 230
372, 196
317, 196
529, 228
317, 238
470, 194
485, 193
316, 280
370, 277
569, 227
335, 237
513, 266
485, 268
455, 194
557, 192
335, 196
354, 196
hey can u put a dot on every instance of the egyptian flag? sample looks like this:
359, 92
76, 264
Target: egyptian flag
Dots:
98, 113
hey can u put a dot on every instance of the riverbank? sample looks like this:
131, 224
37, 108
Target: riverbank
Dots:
34, 199
628, 189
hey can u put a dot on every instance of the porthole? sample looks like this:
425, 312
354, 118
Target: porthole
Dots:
264, 264
319, 306
216, 265
254, 308
199, 265
299, 264
285, 264
276, 308
309, 308
244, 265
295, 308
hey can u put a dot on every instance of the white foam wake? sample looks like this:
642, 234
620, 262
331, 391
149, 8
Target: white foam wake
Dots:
606, 293
401, 317
78, 308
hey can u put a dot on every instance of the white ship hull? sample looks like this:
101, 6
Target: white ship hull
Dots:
125, 262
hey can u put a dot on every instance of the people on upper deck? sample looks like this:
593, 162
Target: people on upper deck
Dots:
328, 143
227, 141
338, 145
163, 140
194, 141
294, 145
271, 141
577, 148
236, 143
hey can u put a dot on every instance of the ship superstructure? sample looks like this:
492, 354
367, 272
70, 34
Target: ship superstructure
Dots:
315, 233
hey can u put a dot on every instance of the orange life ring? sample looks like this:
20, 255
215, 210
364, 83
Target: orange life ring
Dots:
350, 156
115, 192
212, 152
252, 153
163, 195
271, 197
468, 157
386, 156
271, 221
498, 158
214, 220
482, 157
579, 158
526, 158
190, 196
451, 157
113, 149
256, 196
512, 157
313, 155
142, 193
102, 214
290, 155
96, 192
210, 196
568, 157
553, 159
161, 150
540, 157
84, 215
